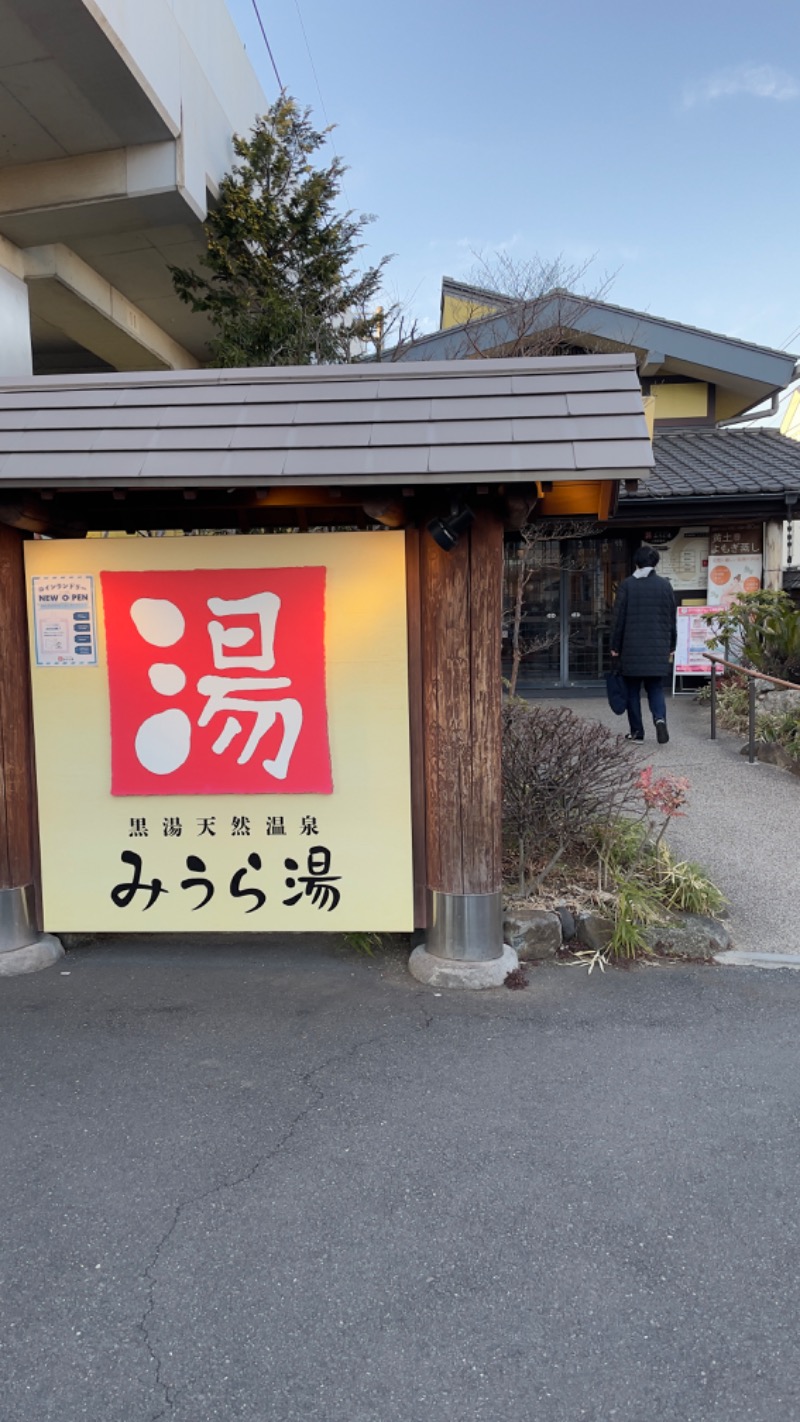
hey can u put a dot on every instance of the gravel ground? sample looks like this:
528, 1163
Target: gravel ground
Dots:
742, 824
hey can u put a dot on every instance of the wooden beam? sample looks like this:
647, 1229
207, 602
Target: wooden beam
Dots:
17, 784
461, 595
416, 727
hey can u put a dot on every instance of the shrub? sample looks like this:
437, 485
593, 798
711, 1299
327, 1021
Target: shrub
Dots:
649, 883
573, 789
782, 727
762, 630
561, 775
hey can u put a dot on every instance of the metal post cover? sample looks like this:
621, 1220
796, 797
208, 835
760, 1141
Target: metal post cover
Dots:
465, 927
17, 918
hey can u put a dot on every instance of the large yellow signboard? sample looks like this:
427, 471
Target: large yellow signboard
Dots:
222, 733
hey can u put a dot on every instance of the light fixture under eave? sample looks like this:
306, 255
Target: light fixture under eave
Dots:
389, 512
447, 531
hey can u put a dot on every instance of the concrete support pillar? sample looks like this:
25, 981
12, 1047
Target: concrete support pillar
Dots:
773, 553
23, 949
15, 322
461, 609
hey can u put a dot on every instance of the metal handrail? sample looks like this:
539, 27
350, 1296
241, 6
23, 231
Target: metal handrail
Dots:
751, 698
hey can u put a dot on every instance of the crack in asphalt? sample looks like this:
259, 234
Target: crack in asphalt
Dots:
307, 1080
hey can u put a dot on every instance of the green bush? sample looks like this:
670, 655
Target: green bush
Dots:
761, 630
649, 883
782, 727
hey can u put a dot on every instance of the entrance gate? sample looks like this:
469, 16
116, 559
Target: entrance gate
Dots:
566, 611
447, 458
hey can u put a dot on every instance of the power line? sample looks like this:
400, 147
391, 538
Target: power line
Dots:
328, 124
267, 43
311, 62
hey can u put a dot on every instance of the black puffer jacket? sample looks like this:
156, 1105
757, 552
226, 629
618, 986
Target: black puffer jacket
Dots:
643, 626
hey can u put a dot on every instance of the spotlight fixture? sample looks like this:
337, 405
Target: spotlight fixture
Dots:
390, 512
447, 531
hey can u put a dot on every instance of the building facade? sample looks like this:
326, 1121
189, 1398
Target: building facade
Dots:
718, 492
117, 122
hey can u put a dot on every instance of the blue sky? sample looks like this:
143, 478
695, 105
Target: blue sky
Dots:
660, 140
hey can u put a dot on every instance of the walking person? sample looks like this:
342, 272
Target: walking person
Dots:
644, 633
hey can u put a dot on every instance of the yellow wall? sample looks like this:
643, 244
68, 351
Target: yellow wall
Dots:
791, 420
455, 312
365, 821
730, 403
680, 401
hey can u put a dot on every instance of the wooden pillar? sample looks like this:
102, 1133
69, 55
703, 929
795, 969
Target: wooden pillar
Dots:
773, 553
460, 629
18, 839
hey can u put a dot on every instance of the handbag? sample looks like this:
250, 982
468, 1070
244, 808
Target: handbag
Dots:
617, 692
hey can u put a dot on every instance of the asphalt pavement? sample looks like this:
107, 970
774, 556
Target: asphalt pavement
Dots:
253, 1182
742, 822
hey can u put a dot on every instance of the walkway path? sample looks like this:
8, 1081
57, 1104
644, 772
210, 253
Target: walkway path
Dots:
742, 823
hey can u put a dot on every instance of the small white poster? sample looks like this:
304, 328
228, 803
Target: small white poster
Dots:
684, 556
64, 622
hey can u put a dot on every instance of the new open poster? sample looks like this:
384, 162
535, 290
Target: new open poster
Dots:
237, 759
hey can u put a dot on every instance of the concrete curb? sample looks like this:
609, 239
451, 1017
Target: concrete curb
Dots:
452, 973
740, 959
31, 959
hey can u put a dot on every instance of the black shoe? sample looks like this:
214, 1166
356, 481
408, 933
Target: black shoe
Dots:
662, 734
631, 737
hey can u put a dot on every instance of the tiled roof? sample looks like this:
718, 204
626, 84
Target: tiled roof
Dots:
447, 422
698, 463
483, 297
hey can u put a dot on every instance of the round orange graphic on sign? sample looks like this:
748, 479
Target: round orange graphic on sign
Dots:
720, 574
752, 584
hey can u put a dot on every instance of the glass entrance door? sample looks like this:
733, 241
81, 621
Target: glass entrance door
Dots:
532, 622
559, 626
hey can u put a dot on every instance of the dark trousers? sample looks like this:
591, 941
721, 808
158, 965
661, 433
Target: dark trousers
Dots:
654, 686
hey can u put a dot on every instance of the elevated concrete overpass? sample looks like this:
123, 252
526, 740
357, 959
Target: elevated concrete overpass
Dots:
115, 129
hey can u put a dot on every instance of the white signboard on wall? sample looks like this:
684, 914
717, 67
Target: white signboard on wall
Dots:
684, 556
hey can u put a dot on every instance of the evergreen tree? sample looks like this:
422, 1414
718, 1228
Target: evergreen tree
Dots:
280, 287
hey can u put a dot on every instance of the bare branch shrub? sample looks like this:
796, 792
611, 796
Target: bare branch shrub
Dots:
542, 301
562, 776
387, 331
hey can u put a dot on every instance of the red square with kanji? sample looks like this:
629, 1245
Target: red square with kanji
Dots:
217, 681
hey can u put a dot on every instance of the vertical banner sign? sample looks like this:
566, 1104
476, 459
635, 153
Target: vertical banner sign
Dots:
238, 753
735, 563
694, 634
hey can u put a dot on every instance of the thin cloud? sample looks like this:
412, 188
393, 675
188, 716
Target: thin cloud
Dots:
758, 81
